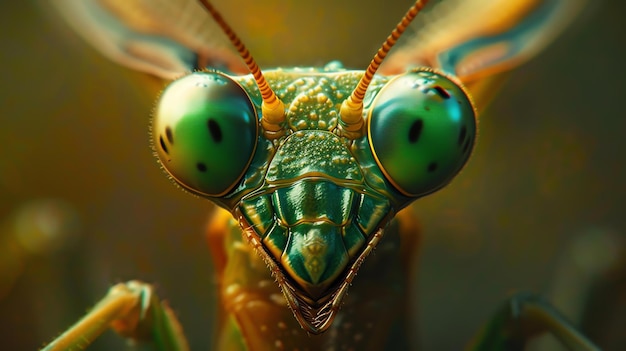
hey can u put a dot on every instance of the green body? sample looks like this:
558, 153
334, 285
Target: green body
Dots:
314, 194
315, 201
314, 209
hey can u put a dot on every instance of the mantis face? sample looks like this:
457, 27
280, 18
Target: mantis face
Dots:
314, 201
314, 163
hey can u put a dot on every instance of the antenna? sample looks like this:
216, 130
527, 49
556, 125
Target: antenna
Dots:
351, 112
273, 110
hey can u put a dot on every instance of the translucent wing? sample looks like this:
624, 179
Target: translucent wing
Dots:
475, 38
164, 38
468, 38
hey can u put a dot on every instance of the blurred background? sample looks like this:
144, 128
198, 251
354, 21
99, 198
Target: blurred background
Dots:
83, 204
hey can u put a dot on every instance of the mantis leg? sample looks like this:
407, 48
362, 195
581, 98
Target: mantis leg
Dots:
523, 317
133, 311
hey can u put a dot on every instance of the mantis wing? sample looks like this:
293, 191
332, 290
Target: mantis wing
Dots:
163, 38
472, 39
468, 38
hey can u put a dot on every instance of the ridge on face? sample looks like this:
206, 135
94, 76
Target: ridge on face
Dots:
317, 213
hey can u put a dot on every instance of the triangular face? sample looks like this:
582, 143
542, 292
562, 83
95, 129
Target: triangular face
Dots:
315, 315
316, 176
313, 223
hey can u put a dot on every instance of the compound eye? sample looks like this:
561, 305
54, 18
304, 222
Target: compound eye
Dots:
205, 132
422, 129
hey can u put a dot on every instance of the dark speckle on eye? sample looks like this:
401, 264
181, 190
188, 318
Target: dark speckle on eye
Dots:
467, 144
416, 130
441, 92
201, 167
162, 144
432, 167
169, 135
214, 130
462, 135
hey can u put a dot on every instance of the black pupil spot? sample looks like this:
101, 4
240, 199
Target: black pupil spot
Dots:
215, 130
466, 146
201, 167
462, 135
169, 135
432, 167
442, 92
162, 143
415, 131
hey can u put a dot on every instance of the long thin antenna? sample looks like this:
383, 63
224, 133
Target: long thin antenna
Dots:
351, 112
272, 108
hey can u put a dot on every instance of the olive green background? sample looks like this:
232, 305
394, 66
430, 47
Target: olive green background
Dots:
548, 167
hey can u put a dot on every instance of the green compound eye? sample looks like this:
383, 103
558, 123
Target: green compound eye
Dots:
205, 132
421, 129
